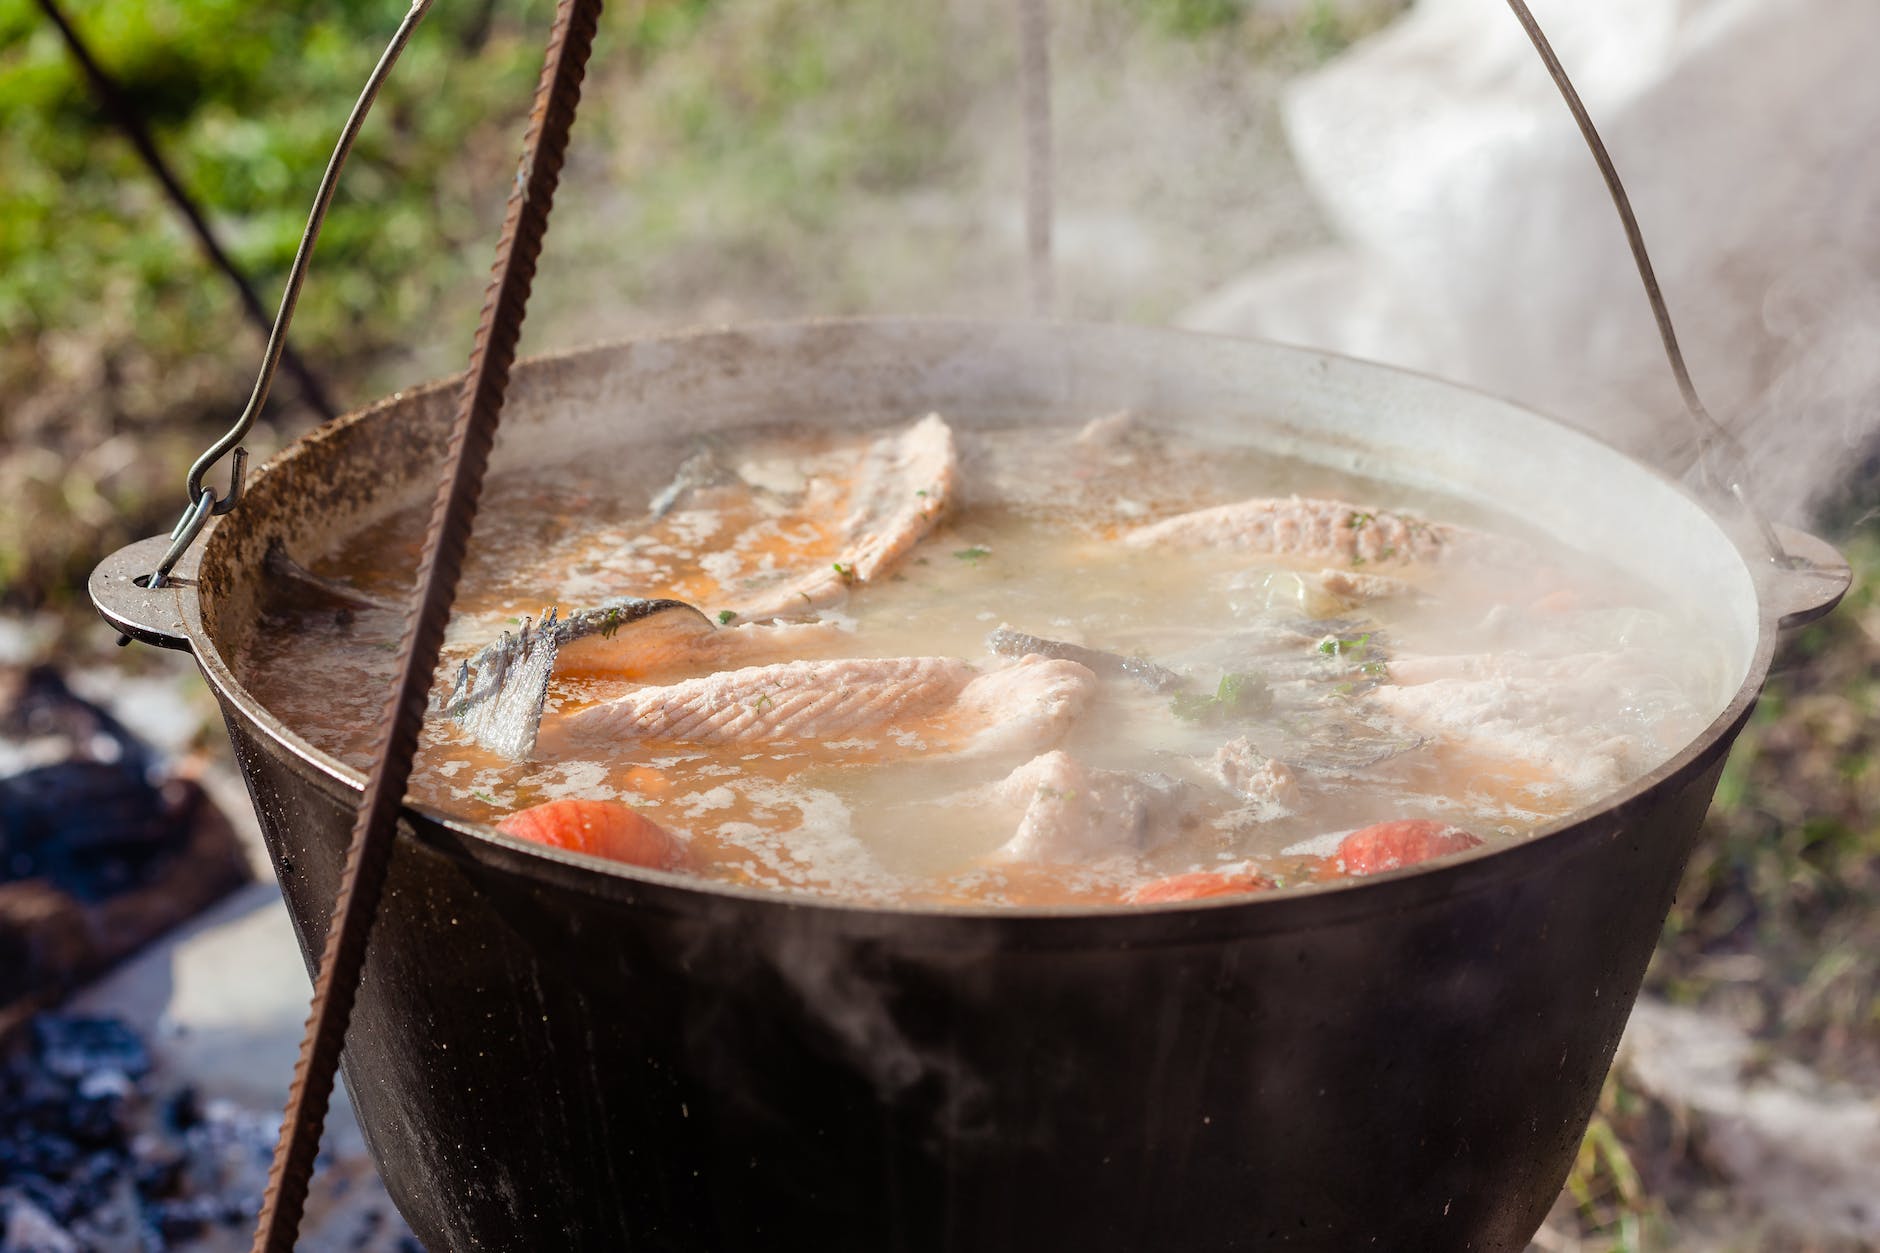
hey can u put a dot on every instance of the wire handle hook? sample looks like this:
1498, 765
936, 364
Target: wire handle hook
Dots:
1721, 458
191, 523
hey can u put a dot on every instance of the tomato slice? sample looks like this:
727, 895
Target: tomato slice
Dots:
1394, 845
1199, 885
601, 828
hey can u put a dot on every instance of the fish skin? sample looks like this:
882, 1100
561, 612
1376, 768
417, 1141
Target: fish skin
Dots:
942, 701
652, 654
905, 485
1006, 641
1313, 529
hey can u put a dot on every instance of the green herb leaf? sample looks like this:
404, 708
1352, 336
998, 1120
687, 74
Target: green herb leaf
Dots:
1332, 646
1236, 696
726, 617
974, 555
844, 570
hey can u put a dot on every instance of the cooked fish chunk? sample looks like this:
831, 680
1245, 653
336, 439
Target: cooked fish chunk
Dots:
1073, 813
500, 693
687, 644
1567, 730
936, 703
1355, 588
1253, 776
1314, 530
905, 483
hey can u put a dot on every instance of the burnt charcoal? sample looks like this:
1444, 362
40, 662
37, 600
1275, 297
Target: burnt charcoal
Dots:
188, 1218
91, 1158
73, 1048
26, 1227
156, 1166
184, 1109
94, 822
92, 828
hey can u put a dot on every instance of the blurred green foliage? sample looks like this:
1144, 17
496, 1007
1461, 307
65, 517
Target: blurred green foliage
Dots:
246, 101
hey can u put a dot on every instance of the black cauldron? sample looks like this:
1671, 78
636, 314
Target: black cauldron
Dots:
551, 1052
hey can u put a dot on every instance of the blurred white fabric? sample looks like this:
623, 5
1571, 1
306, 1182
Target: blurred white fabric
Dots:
1477, 240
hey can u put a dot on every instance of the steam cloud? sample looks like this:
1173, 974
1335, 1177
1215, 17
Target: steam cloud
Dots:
1479, 243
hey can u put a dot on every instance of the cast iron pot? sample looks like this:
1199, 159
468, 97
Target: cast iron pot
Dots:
551, 1052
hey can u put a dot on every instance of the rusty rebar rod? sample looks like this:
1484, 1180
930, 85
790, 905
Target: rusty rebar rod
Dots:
447, 538
125, 118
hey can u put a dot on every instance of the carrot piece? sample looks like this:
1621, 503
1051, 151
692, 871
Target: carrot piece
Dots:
1392, 845
599, 828
1198, 885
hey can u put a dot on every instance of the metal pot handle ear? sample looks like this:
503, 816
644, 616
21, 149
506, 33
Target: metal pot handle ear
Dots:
153, 615
1809, 583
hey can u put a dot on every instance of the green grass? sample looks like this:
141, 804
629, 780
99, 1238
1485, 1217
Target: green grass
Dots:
1788, 873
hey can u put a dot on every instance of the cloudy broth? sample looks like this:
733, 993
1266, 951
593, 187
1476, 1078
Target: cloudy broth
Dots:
1498, 687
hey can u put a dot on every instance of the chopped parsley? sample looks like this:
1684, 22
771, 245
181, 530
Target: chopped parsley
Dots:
485, 797
973, 555
611, 623
921, 492
1237, 696
726, 617
762, 703
1359, 520
845, 570
1332, 646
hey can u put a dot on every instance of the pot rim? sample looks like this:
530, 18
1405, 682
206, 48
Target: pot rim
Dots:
1468, 872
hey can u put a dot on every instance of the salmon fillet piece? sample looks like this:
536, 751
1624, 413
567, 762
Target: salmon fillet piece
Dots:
904, 485
1314, 530
926, 703
678, 643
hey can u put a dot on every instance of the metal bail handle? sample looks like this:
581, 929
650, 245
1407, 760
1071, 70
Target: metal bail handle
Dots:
1720, 457
203, 502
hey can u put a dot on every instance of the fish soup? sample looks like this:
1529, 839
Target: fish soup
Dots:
933, 664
